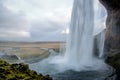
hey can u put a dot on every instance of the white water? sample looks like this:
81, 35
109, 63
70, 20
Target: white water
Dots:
99, 27
79, 50
80, 43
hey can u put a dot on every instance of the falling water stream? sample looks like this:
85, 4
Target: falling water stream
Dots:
78, 61
79, 51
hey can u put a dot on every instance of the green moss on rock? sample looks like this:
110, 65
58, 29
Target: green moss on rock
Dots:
19, 72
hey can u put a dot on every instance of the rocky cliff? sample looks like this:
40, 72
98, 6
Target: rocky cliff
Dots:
112, 42
112, 39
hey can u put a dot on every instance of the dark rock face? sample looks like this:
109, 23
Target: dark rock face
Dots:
112, 41
111, 4
114, 61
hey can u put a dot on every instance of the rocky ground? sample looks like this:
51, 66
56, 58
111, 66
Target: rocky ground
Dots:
19, 72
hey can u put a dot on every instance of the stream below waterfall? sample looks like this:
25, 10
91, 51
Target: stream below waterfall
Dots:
58, 72
49, 69
78, 61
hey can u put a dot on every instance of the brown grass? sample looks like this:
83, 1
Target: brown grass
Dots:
31, 44
28, 49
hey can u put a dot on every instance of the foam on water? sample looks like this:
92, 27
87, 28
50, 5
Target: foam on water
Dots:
79, 50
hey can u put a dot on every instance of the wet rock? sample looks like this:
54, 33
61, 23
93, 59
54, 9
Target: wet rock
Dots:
114, 61
10, 57
20, 67
112, 38
111, 4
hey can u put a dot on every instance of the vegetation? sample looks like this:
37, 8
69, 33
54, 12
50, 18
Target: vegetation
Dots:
19, 72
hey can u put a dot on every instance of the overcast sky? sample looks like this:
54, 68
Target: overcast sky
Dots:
34, 20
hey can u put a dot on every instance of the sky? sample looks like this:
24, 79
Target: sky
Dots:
34, 20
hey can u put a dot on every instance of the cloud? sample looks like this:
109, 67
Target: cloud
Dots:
34, 20
47, 31
12, 25
42, 9
14, 34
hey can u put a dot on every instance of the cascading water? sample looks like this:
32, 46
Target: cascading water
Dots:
99, 27
80, 43
79, 50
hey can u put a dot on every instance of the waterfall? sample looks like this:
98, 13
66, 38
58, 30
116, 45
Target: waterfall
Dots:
79, 50
80, 43
99, 27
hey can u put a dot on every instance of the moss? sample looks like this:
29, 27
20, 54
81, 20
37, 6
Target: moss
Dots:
19, 72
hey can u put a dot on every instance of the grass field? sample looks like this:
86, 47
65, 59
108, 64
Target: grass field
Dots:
31, 44
28, 50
